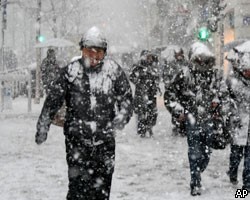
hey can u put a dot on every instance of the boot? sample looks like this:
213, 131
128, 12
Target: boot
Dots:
233, 179
150, 132
195, 190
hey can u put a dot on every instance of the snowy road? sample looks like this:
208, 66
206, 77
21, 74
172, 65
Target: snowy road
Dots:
146, 169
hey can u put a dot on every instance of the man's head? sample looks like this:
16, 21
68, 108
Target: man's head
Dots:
148, 58
179, 55
239, 58
242, 63
51, 54
93, 46
201, 57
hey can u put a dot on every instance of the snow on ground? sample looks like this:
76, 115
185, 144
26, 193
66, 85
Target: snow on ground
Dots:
146, 168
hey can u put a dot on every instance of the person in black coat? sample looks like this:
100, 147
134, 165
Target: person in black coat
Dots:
98, 101
49, 70
170, 69
145, 77
198, 90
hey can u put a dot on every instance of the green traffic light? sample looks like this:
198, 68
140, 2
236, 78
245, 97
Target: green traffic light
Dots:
41, 38
203, 33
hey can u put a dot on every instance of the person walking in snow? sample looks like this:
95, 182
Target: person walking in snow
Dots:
196, 89
239, 87
98, 100
171, 67
49, 70
145, 77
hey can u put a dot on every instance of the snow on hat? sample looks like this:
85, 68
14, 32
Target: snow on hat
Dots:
93, 38
200, 50
240, 55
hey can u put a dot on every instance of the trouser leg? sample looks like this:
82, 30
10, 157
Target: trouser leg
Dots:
142, 124
90, 171
198, 154
236, 155
246, 170
151, 117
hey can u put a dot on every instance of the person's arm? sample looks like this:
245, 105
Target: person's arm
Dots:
173, 95
124, 101
52, 104
178, 97
43, 73
134, 75
229, 109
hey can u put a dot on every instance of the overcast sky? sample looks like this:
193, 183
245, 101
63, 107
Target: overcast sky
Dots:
123, 21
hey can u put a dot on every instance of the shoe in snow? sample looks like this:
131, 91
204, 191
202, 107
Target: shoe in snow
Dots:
195, 191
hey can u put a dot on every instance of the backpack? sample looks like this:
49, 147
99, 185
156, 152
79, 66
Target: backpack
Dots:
219, 137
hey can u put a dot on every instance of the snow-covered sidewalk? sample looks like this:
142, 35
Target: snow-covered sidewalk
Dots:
146, 168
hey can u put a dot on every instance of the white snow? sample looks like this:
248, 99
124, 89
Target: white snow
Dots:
199, 49
92, 101
168, 53
232, 55
92, 125
94, 36
102, 81
73, 71
243, 58
245, 47
146, 169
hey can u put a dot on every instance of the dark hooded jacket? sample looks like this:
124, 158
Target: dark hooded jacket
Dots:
195, 87
49, 70
145, 77
93, 97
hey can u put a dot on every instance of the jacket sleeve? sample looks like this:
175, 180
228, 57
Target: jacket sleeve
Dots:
134, 75
229, 107
43, 72
124, 97
174, 100
53, 102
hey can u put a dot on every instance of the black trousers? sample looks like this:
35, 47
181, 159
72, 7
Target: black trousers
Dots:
198, 152
147, 117
236, 155
90, 170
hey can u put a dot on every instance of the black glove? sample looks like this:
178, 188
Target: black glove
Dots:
237, 121
119, 122
40, 137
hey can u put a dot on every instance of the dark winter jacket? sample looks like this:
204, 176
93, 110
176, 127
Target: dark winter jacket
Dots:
239, 108
146, 81
171, 69
49, 72
194, 91
198, 87
94, 97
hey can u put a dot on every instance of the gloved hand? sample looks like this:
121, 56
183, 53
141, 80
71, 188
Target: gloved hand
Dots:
159, 90
40, 137
181, 118
119, 122
236, 120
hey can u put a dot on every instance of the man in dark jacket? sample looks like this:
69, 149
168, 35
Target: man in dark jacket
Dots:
170, 70
197, 90
239, 85
49, 70
98, 100
146, 79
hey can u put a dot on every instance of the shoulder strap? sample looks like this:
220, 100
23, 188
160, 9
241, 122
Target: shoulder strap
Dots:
229, 86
